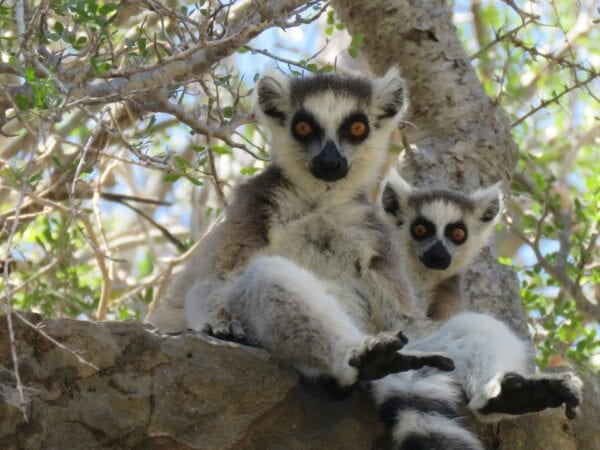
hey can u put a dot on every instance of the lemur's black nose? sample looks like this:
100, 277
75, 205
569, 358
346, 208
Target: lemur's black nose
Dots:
330, 164
437, 257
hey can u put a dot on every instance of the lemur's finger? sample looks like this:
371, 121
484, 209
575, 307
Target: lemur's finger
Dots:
222, 331
444, 363
439, 362
513, 382
237, 332
354, 360
403, 339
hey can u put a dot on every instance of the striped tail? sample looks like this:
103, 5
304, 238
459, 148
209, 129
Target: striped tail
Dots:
420, 408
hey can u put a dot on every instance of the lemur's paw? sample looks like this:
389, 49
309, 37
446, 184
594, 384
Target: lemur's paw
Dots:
379, 357
521, 395
226, 330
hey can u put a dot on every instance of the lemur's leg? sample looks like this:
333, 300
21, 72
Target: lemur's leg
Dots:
491, 365
289, 312
205, 311
422, 410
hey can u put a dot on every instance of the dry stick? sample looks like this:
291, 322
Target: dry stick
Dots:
38, 328
166, 233
97, 213
171, 265
498, 39
556, 98
7, 286
91, 236
556, 271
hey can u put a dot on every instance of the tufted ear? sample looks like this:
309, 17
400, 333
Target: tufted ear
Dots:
395, 196
488, 202
274, 96
389, 94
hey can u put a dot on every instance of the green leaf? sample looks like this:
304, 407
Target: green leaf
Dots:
228, 112
330, 18
249, 170
221, 149
353, 52
22, 102
58, 27
312, 68
146, 265
326, 68
505, 261
198, 148
34, 178
356, 40
171, 177
57, 162
30, 74
193, 180
181, 163
566, 334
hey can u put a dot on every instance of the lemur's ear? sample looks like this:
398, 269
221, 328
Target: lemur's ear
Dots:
389, 94
488, 202
273, 95
395, 196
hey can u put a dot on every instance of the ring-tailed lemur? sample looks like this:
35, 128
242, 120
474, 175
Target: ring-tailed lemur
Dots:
305, 265
440, 232
304, 260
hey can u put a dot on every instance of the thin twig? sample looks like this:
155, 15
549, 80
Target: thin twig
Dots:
39, 328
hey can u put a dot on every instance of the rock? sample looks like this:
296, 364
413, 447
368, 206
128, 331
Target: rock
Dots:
155, 391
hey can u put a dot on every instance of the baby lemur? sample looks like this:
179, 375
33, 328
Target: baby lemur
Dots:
440, 232
305, 265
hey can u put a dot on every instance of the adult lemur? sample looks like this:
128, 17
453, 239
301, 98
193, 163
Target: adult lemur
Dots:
306, 266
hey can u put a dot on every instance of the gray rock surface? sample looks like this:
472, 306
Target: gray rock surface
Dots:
155, 391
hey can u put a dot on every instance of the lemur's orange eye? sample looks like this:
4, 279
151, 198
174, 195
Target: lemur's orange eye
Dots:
420, 230
358, 129
303, 128
458, 235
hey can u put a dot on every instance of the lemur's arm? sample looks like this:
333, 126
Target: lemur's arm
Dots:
223, 252
168, 313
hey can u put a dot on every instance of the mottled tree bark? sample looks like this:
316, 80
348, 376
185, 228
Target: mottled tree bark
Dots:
461, 139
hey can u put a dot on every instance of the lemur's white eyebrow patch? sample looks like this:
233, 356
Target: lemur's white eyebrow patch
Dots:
441, 212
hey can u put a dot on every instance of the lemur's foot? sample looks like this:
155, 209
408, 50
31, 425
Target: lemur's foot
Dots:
226, 330
379, 357
521, 395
